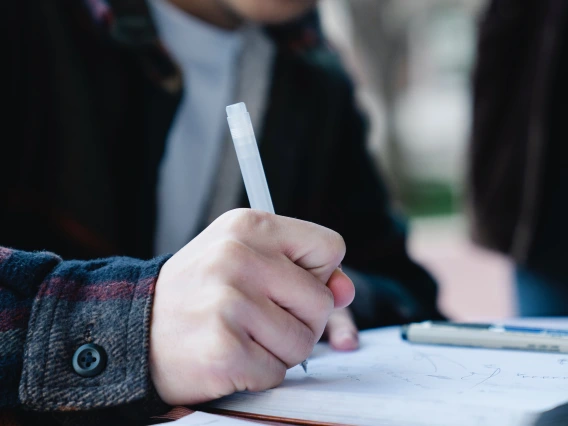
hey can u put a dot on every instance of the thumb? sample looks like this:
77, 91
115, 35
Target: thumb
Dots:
342, 288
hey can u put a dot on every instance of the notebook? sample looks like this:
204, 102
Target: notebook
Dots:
199, 418
393, 382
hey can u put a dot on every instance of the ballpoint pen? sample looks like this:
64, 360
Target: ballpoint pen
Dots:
250, 163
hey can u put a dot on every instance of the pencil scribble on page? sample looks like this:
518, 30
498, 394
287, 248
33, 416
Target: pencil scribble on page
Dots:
526, 376
420, 355
495, 373
405, 379
440, 377
364, 387
448, 360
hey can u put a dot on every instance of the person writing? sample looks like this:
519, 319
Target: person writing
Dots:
119, 154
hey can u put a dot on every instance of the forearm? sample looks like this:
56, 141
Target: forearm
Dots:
20, 277
49, 308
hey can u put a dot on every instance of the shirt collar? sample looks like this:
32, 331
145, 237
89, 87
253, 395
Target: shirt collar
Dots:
177, 29
129, 22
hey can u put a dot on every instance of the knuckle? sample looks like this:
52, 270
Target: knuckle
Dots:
322, 308
224, 350
231, 304
279, 374
225, 256
324, 302
211, 266
302, 340
306, 341
243, 222
328, 299
274, 377
337, 244
253, 385
234, 251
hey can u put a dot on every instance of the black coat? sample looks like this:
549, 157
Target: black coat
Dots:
520, 99
83, 137
90, 109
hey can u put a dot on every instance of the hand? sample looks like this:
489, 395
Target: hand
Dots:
341, 331
245, 300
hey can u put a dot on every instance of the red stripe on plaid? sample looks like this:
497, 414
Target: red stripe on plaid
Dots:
102, 291
12, 319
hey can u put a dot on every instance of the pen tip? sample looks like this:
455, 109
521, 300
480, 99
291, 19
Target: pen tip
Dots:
305, 366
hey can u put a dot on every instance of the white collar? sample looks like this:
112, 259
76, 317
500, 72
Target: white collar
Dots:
190, 40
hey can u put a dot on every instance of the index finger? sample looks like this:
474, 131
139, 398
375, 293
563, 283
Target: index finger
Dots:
315, 248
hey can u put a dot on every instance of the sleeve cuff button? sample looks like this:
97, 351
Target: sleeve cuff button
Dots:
89, 360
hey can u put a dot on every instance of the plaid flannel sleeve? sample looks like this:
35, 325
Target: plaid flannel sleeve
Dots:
49, 308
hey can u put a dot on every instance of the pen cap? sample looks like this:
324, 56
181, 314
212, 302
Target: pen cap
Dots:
240, 123
249, 158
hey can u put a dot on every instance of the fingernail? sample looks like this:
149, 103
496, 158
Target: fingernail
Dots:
347, 340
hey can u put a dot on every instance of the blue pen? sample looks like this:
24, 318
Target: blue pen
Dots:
491, 336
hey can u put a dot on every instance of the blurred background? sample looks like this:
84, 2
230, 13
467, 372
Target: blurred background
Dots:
412, 61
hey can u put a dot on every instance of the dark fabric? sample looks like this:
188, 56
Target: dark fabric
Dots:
539, 295
70, 82
90, 105
17, 292
550, 251
542, 282
316, 163
557, 416
49, 308
517, 59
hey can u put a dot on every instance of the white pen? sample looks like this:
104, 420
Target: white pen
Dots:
491, 336
250, 163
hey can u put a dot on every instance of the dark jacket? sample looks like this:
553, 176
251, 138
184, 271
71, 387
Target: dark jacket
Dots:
91, 102
514, 178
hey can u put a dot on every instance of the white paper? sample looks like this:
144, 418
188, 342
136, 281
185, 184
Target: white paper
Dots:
204, 419
391, 382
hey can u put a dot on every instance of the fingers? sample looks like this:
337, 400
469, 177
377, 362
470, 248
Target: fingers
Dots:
233, 269
261, 370
243, 301
279, 332
295, 290
239, 362
281, 306
229, 361
316, 249
341, 331
302, 295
